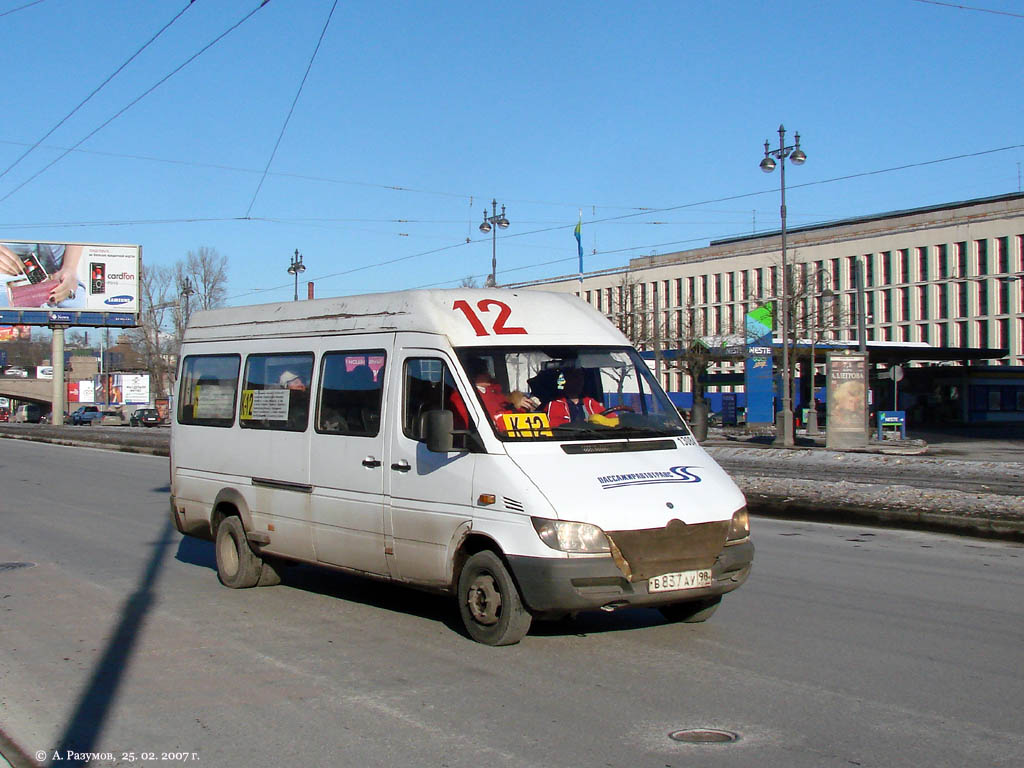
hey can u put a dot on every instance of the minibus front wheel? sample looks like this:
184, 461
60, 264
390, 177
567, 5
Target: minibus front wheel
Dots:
489, 602
238, 566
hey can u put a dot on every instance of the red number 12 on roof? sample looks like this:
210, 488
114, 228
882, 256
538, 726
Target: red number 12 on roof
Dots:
484, 305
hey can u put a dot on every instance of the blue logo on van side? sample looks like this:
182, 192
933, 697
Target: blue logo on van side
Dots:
115, 301
672, 475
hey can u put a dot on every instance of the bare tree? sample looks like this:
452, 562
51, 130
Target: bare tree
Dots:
679, 336
152, 338
168, 296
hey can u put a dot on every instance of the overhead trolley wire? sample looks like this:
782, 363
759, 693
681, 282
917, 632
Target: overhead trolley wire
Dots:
971, 8
137, 99
291, 109
96, 90
20, 8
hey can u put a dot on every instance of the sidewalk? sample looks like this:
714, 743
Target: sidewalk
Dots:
981, 442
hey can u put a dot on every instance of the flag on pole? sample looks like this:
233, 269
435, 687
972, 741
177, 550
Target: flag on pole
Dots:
579, 243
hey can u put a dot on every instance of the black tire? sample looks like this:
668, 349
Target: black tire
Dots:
691, 612
238, 566
489, 602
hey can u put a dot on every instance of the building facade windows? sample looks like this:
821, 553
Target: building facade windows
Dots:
942, 259
931, 276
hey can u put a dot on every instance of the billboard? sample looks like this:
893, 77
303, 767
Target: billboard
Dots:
69, 283
15, 333
125, 389
86, 392
134, 388
847, 396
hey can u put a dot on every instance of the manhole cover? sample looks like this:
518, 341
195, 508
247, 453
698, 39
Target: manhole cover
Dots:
14, 566
704, 736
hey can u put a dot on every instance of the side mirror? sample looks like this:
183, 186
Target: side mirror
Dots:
438, 426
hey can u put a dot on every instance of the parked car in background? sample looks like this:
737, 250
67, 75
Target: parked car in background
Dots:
110, 418
85, 415
48, 418
145, 417
28, 414
5, 415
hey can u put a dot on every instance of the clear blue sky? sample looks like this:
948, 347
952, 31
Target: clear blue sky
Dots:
549, 107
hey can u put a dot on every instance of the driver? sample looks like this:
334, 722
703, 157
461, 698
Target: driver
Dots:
574, 405
494, 399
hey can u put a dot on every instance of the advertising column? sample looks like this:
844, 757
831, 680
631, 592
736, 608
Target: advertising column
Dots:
757, 368
847, 398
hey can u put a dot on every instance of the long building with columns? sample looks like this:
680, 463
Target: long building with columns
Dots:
946, 276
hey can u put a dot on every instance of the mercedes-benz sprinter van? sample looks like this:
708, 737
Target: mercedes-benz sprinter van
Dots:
507, 447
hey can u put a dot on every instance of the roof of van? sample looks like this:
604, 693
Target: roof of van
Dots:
467, 316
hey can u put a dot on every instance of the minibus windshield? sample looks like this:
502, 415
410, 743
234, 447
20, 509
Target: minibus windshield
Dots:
568, 393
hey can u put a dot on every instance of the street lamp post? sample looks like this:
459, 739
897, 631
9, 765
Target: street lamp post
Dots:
186, 291
296, 268
490, 224
784, 428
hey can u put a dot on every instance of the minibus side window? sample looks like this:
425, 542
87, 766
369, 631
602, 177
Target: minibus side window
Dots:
429, 386
351, 384
275, 393
206, 395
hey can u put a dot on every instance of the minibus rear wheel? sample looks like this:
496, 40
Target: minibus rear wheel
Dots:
489, 601
691, 612
238, 566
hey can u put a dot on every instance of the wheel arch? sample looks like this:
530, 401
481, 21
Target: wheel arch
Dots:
471, 543
229, 501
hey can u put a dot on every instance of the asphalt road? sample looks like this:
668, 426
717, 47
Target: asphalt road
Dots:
846, 647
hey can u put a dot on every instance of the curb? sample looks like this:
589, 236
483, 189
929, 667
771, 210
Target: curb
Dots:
786, 508
86, 444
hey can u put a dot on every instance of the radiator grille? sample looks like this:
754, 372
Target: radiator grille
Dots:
676, 547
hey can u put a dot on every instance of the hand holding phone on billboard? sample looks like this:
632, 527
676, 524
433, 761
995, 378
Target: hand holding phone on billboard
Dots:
67, 275
10, 264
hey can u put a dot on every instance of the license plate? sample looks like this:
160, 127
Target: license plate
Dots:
669, 582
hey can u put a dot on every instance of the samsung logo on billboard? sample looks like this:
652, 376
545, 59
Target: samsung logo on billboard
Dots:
115, 301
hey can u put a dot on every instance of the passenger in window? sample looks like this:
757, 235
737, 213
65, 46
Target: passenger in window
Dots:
298, 399
292, 381
573, 406
493, 397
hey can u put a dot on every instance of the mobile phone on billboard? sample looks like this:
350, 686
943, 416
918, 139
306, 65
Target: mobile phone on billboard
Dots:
33, 269
97, 278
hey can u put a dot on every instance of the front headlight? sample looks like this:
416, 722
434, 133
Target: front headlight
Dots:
571, 537
739, 528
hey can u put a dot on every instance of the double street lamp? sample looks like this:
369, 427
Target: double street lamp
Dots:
491, 224
784, 428
187, 291
296, 268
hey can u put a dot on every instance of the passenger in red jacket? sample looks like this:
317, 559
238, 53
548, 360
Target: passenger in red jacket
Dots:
574, 406
495, 401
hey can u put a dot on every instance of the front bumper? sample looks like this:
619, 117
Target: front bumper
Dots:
558, 586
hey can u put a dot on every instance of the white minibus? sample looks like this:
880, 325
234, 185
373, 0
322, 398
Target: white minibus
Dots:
507, 447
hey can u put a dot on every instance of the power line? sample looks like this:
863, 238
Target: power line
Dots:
20, 8
96, 90
537, 231
358, 269
325, 179
971, 8
136, 100
291, 109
